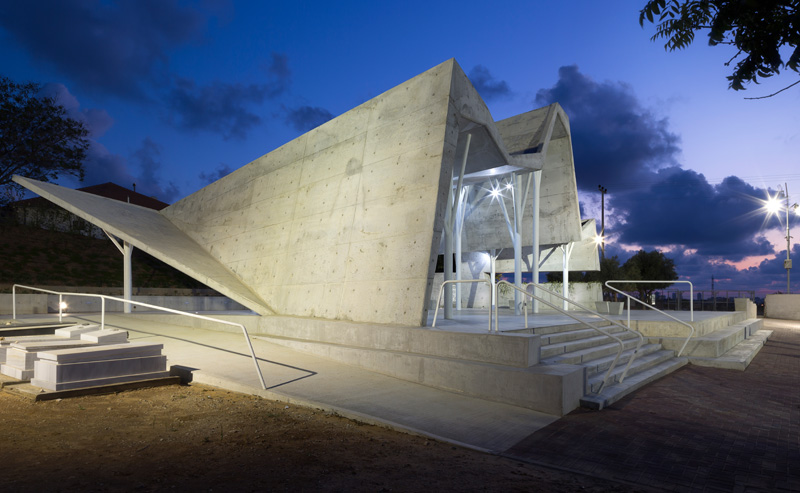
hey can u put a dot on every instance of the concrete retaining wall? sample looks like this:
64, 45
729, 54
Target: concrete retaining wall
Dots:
782, 306
478, 295
48, 303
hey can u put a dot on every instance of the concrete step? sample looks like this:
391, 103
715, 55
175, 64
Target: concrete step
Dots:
578, 333
601, 365
613, 393
713, 344
555, 329
739, 356
582, 353
589, 341
641, 364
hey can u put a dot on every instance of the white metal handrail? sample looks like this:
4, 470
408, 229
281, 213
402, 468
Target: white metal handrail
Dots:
691, 306
456, 281
691, 293
584, 322
103, 299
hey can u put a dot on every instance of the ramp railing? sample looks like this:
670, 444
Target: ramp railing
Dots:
462, 281
103, 299
629, 297
579, 320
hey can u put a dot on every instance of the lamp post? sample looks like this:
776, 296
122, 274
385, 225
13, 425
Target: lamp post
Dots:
774, 206
603, 192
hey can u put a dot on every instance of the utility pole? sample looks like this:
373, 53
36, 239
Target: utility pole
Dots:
603, 192
787, 264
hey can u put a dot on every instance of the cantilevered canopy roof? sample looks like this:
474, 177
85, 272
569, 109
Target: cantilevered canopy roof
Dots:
151, 232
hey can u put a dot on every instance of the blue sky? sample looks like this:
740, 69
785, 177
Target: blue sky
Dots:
178, 93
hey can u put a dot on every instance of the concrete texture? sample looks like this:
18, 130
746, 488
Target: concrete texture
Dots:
345, 222
782, 306
99, 365
152, 233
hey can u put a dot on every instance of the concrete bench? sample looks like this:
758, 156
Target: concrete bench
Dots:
67, 369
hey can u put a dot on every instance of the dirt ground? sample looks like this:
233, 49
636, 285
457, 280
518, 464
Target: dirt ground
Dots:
196, 438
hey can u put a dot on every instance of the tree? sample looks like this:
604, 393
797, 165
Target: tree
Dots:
649, 266
758, 29
37, 138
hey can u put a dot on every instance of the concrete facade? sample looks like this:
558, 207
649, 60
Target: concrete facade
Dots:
345, 222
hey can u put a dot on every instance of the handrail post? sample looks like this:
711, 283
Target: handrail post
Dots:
459, 281
60, 306
102, 313
14, 301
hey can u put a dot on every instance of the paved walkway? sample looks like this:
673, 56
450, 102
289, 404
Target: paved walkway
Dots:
698, 429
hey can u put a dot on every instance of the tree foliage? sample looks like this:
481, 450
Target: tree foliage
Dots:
758, 29
643, 266
37, 138
649, 266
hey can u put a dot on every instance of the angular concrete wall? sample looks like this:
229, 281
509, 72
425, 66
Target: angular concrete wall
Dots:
341, 222
345, 222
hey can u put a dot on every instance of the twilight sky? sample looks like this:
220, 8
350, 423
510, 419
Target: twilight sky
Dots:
179, 93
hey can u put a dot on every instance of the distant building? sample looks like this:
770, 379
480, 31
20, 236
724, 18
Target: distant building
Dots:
42, 213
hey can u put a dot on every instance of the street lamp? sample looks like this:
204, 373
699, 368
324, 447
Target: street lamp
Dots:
774, 206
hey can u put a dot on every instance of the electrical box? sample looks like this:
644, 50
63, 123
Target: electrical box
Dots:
787, 264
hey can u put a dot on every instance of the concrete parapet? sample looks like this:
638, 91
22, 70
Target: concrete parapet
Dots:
662, 328
746, 305
518, 350
27, 304
782, 306
552, 389
714, 344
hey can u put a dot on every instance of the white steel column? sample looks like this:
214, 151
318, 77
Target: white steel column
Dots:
461, 209
537, 183
127, 277
517, 196
449, 223
567, 252
126, 249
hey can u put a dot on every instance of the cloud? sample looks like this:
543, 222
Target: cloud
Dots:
111, 47
219, 172
222, 107
681, 208
148, 158
218, 107
487, 86
616, 141
304, 118
96, 121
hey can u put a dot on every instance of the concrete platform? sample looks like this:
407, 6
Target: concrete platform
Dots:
220, 358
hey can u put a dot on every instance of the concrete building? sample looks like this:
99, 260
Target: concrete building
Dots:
334, 237
346, 221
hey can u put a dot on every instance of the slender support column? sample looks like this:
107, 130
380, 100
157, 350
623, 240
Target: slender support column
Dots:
537, 183
492, 258
127, 277
566, 251
517, 196
453, 199
458, 266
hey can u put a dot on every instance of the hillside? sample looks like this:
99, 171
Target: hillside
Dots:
37, 257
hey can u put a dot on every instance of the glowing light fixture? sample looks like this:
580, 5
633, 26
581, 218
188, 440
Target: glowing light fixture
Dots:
773, 205
62, 305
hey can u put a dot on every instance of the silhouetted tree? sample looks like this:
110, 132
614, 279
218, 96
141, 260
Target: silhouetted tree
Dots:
649, 266
37, 138
758, 29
